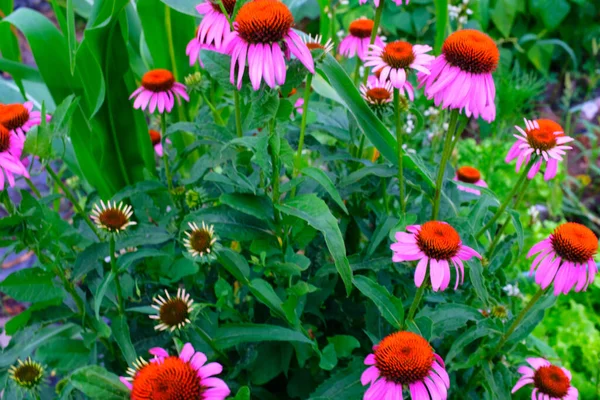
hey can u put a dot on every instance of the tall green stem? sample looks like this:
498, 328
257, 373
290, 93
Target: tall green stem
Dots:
446, 152
356, 74
238, 113
115, 271
163, 128
516, 322
400, 141
298, 159
214, 110
416, 300
376, 23
274, 139
69, 195
33, 188
508, 199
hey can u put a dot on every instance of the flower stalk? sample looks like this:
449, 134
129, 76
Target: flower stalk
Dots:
416, 301
303, 123
400, 140
115, 271
446, 152
163, 128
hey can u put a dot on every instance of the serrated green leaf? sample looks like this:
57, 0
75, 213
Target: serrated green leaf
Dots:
390, 307
31, 285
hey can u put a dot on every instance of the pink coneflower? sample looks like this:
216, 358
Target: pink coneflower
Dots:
550, 381
156, 139
435, 244
544, 138
394, 59
406, 90
567, 258
405, 359
214, 27
20, 118
169, 377
376, 92
469, 175
11, 148
358, 40
299, 105
159, 90
193, 50
376, 2
263, 35
461, 77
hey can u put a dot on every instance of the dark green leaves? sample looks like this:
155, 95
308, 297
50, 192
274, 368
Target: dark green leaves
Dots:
31, 285
234, 334
316, 213
97, 383
389, 306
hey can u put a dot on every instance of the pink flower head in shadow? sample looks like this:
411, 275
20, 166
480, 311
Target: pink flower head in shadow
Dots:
358, 40
169, 377
214, 27
543, 138
262, 38
20, 118
566, 258
405, 359
159, 91
461, 77
550, 382
469, 175
435, 244
11, 148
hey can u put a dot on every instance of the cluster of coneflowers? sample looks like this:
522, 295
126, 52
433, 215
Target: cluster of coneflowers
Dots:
260, 40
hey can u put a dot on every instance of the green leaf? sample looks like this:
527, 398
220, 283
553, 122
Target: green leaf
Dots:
66, 354
316, 213
344, 345
97, 383
504, 15
265, 294
441, 22
31, 285
243, 394
533, 317
217, 66
123, 338
328, 358
540, 56
345, 384
183, 6
551, 12
260, 207
101, 292
448, 318
264, 104
233, 334
390, 307
231, 224
371, 126
483, 328
235, 264
476, 275
322, 179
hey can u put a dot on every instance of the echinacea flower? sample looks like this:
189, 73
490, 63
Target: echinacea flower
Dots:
169, 377
405, 359
200, 241
544, 138
159, 91
376, 2
436, 244
299, 106
20, 118
316, 43
461, 77
550, 381
193, 49
406, 90
377, 93
469, 175
214, 26
394, 59
358, 39
566, 258
27, 374
11, 148
156, 139
263, 35
172, 312
112, 217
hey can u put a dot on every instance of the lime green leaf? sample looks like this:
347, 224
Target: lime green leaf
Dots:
551, 12
503, 15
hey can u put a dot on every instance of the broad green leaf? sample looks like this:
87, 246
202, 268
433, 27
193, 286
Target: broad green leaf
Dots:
448, 318
483, 328
344, 345
344, 384
243, 394
231, 224
371, 126
235, 264
551, 12
101, 292
533, 317
390, 307
97, 383
323, 179
123, 338
260, 207
540, 56
265, 294
328, 358
476, 275
264, 104
316, 213
183, 6
31, 285
503, 15
67, 354
233, 334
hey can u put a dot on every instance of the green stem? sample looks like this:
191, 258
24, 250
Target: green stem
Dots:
214, 110
276, 167
163, 128
356, 73
302, 130
69, 195
332, 8
361, 145
498, 234
169, 31
416, 300
238, 113
115, 271
400, 140
445, 156
508, 199
376, 22
516, 322
212, 345
33, 188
